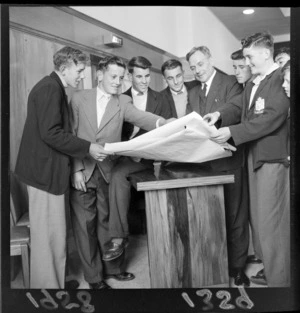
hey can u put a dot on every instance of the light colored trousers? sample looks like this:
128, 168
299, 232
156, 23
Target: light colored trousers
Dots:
269, 189
47, 217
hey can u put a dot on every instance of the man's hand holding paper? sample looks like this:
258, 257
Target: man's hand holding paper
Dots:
183, 140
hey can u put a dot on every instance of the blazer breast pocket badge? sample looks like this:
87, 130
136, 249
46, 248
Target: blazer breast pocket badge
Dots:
259, 106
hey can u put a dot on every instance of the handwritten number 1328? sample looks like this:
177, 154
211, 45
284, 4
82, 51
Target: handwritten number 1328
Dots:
49, 303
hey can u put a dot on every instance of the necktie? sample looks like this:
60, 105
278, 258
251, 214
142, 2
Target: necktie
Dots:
202, 103
179, 92
140, 93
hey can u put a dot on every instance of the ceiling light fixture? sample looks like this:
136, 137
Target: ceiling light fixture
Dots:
248, 11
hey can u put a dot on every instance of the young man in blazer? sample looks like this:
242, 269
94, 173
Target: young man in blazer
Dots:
98, 114
217, 90
147, 100
264, 128
176, 94
43, 165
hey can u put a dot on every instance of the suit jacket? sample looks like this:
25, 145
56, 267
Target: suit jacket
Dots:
118, 110
224, 90
266, 131
168, 98
47, 141
154, 105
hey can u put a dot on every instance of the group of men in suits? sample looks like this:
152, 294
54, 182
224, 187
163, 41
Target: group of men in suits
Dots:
100, 193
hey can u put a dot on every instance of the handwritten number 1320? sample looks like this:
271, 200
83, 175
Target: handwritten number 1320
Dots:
49, 303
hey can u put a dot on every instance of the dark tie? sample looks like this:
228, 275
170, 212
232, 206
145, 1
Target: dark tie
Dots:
140, 93
179, 92
202, 103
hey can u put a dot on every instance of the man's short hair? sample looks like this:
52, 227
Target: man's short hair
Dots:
282, 50
237, 55
286, 67
264, 39
140, 62
110, 60
202, 49
67, 55
170, 65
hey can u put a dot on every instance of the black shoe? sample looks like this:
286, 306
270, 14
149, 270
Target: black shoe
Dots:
71, 284
121, 277
100, 285
114, 250
253, 259
240, 278
259, 278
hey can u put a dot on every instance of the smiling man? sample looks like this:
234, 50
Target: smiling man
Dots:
217, 90
99, 114
264, 128
176, 94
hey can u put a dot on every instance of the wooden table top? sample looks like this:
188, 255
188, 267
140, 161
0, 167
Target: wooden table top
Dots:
178, 175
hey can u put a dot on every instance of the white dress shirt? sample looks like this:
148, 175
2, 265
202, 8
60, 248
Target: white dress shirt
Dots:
102, 100
208, 83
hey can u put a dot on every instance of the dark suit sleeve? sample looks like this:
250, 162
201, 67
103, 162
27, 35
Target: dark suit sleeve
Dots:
274, 115
164, 107
50, 122
231, 111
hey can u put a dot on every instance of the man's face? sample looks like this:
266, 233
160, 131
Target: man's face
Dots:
201, 66
281, 59
112, 79
256, 58
140, 79
242, 71
286, 83
174, 78
73, 73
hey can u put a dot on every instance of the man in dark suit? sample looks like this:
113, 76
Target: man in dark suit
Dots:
176, 94
43, 165
264, 128
145, 99
99, 113
217, 90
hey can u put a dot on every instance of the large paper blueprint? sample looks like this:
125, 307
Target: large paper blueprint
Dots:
183, 140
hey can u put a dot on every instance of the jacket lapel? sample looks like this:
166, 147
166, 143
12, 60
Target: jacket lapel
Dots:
151, 101
90, 107
259, 89
171, 102
58, 80
111, 110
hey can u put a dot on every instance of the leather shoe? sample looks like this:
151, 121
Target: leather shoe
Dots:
240, 278
121, 277
253, 259
100, 285
71, 284
114, 250
259, 278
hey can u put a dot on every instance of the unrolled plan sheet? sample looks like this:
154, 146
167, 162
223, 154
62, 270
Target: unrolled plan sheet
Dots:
183, 140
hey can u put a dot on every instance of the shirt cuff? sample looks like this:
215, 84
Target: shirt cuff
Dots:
157, 123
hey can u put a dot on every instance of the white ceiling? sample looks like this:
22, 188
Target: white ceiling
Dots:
273, 19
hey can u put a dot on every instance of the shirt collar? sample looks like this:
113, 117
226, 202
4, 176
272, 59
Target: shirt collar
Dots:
208, 83
183, 89
62, 79
135, 92
101, 93
259, 78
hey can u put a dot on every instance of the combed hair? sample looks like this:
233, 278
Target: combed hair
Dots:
282, 50
237, 55
264, 39
202, 49
140, 62
110, 60
67, 55
170, 65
